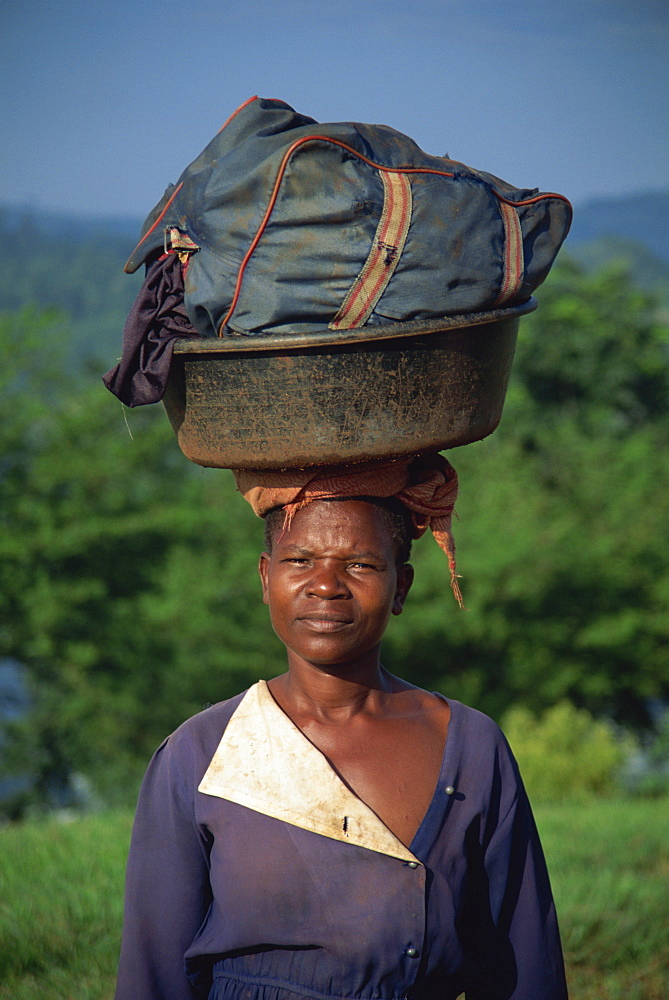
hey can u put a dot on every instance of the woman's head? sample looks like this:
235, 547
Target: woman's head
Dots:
425, 485
332, 578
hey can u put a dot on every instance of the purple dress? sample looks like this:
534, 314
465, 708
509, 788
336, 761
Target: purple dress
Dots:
255, 874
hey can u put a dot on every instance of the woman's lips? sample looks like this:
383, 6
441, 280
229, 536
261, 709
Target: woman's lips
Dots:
324, 623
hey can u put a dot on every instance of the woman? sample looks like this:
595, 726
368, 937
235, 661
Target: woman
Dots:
337, 832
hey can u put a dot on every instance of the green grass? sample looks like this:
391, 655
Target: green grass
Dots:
609, 865
61, 889
61, 907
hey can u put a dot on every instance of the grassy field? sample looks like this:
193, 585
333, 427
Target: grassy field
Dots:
609, 864
61, 888
61, 907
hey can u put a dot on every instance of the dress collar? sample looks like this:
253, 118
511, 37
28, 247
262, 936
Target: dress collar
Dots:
264, 762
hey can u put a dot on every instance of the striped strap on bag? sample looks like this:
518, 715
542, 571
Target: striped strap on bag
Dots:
514, 259
387, 247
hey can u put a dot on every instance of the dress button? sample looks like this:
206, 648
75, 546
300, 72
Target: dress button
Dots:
412, 952
412, 864
449, 789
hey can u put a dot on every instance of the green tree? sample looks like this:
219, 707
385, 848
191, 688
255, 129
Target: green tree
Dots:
562, 535
123, 592
595, 353
566, 755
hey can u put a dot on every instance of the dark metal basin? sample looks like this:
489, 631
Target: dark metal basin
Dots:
319, 398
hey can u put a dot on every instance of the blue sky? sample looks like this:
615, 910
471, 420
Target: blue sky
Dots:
104, 102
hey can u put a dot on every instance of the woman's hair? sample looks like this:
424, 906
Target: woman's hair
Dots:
396, 517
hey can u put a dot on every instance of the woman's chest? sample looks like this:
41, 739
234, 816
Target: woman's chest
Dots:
394, 768
396, 784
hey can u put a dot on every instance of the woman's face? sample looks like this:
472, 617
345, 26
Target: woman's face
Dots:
331, 582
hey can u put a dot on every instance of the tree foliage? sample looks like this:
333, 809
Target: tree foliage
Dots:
562, 535
123, 592
129, 585
565, 755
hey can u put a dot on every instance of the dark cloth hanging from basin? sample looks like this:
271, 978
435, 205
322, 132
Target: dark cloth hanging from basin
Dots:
156, 320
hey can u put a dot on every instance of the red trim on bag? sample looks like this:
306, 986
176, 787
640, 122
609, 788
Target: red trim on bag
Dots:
240, 108
531, 201
156, 223
245, 105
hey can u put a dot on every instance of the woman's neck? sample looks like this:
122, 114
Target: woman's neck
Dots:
334, 693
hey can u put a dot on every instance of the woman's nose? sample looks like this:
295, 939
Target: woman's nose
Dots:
327, 581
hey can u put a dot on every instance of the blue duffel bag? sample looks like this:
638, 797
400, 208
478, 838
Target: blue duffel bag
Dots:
285, 225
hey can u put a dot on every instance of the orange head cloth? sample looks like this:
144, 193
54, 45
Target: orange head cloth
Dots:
426, 484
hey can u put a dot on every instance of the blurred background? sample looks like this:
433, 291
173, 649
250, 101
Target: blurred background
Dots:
129, 597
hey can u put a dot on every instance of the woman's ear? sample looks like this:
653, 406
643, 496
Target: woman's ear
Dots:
405, 576
263, 569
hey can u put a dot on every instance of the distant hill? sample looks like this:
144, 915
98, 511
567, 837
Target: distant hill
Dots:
640, 218
630, 231
76, 263
647, 271
62, 225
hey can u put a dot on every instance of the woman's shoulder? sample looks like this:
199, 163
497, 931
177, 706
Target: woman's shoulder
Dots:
477, 740
199, 736
473, 724
473, 717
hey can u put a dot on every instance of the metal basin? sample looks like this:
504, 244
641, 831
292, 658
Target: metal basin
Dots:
282, 401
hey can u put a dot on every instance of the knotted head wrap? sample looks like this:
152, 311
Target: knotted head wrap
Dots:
426, 484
